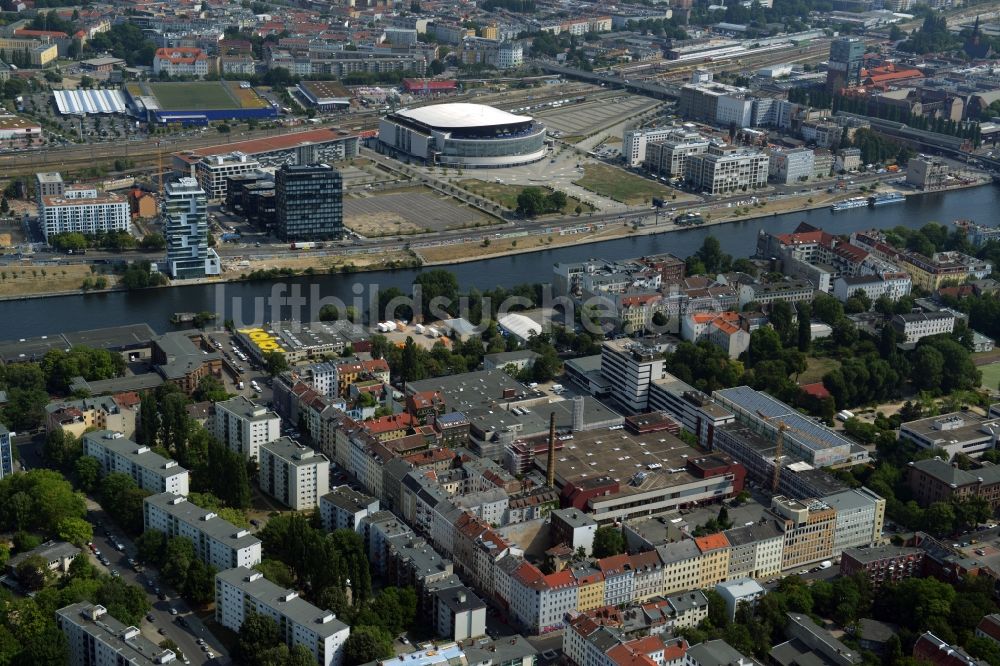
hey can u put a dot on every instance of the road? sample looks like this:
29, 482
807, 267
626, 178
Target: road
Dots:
29, 451
457, 236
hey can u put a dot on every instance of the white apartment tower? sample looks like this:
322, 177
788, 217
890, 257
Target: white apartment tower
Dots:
295, 475
185, 209
243, 425
630, 368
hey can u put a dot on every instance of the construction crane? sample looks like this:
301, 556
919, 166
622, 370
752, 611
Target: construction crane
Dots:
780, 445
778, 449
159, 167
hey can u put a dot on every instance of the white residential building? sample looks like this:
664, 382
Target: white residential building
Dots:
241, 590
509, 55
912, 327
630, 367
216, 541
739, 591
634, 142
668, 157
344, 508
185, 208
95, 638
295, 475
182, 61
243, 425
212, 171
891, 285
725, 169
860, 516
151, 471
84, 211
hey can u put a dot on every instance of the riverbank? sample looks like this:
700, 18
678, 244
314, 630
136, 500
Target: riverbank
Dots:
586, 233
492, 246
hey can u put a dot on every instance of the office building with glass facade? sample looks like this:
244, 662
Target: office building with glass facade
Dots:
309, 202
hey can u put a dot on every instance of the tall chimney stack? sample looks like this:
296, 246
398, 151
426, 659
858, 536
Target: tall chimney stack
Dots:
550, 468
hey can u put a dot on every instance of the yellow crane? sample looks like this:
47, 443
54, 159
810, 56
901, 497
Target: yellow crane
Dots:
780, 445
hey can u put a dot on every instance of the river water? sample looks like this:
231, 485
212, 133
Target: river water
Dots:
44, 316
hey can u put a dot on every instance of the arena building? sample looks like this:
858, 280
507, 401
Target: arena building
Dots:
463, 135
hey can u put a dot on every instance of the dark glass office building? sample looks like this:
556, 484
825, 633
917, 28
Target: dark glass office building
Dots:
309, 202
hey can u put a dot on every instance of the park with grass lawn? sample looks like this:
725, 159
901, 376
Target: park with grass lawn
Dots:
620, 185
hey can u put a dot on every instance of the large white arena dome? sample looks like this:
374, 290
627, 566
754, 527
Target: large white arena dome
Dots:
462, 135
455, 115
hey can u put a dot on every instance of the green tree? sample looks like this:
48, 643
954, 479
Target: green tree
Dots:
199, 584
125, 602
275, 363
277, 572
33, 572
258, 633
531, 202
151, 545
76, 531
780, 316
38, 500
367, 643
177, 559
608, 541
87, 472
122, 498
211, 389
804, 327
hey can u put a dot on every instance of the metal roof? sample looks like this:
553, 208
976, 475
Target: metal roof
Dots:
458, 114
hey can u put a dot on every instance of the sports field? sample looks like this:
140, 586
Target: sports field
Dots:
199, 95
991, 375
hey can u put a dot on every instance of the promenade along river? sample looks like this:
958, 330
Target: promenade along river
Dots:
45, 316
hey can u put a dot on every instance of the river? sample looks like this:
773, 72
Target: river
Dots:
44, 316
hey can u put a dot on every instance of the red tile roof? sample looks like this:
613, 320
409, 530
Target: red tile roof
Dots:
817, 390
712, 542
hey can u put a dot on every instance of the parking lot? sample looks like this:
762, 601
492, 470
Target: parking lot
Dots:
412, 210
590, 117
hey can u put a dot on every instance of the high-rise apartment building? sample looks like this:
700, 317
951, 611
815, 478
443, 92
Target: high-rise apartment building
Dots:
243, 425
309, 202
185, 209
295, 475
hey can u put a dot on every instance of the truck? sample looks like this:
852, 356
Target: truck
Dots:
825, 564
845, 415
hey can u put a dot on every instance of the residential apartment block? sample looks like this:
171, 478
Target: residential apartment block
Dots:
85, 211
295, 475
216, 541
75, 417
240, 590
344, 508
630, 367
95, 638
243, 425
149, 470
